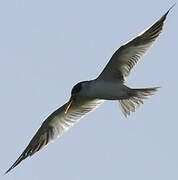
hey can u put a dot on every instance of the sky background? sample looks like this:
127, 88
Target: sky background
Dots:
46, 47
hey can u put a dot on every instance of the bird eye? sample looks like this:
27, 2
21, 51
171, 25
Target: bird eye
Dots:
76, 88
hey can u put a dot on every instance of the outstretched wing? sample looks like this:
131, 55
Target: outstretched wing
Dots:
124, 59
57, 123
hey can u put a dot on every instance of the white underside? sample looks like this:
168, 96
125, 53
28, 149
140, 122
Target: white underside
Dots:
108, 90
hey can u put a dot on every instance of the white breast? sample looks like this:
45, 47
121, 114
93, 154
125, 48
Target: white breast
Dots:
108, 90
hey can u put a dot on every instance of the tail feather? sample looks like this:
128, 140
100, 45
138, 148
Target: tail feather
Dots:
136, 98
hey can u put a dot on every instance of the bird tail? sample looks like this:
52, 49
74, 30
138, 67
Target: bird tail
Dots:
135, 99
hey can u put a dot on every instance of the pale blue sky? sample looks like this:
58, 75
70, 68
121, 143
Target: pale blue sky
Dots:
48, 46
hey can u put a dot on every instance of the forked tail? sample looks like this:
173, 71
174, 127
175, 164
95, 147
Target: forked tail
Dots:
135, 99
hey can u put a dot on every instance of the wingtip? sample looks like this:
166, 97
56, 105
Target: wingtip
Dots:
170, 8
8, 170
21, 158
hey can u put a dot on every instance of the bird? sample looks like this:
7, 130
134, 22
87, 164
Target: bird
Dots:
109, 85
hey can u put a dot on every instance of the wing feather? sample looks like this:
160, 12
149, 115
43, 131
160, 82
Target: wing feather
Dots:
54, 126
127, 56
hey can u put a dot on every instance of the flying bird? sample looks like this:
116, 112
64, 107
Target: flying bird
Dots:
109, 85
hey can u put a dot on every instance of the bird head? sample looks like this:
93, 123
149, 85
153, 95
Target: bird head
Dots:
75, 93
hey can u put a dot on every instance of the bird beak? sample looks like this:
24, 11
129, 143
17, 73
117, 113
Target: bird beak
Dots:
69, 105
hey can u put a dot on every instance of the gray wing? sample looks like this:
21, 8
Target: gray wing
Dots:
54, 126
124, 59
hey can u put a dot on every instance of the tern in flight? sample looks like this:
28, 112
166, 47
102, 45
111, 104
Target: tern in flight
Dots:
88, 95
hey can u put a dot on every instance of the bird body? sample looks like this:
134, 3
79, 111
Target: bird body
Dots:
107, 90
109, 85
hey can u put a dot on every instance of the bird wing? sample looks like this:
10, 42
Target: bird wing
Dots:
54, 126
124, 59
